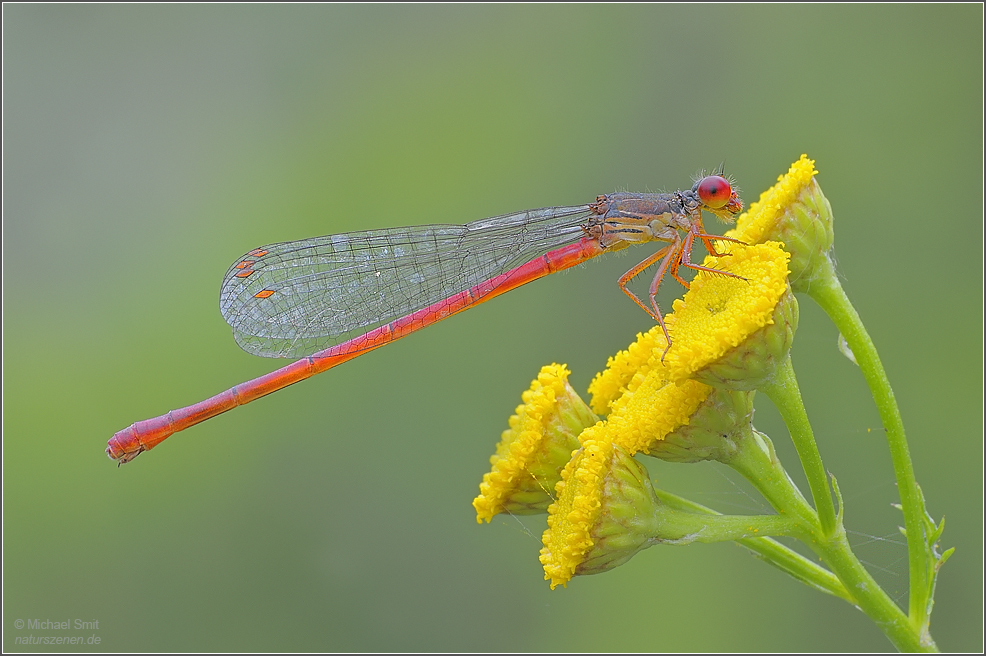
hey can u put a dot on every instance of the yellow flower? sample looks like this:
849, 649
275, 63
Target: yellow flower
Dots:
605, 513
685, 422
713, 430
727, 332
528, 460
645, 414
731, 332
625, 370
795, 212
688, 403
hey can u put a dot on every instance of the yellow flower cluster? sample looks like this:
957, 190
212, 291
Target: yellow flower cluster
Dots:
796, 213
648, 400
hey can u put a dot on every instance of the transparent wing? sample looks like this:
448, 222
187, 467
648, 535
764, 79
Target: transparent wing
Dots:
296, 298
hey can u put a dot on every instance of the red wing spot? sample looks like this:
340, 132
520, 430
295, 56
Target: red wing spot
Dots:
244, 273
244, 264
258, 252
264, 294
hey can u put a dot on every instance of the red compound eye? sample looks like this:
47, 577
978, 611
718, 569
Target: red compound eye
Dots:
714, 190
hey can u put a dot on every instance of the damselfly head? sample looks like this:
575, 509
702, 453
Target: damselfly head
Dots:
719, 196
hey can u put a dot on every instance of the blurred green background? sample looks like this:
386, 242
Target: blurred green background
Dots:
147, 147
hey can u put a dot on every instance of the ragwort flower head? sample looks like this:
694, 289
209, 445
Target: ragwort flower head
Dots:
711, 432
531, 454
605, 513
687, 421
627, 369
795, 212
729, 332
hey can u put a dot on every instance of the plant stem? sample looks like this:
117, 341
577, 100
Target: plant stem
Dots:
829, 294
772, 552
756, 460
783, 391
869, 597
680, 527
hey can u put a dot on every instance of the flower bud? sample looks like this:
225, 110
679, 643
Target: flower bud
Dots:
605, 513
794, 211
685, 422
711, 432
531, 454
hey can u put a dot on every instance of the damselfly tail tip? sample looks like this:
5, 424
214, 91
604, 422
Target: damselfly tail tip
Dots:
124, 446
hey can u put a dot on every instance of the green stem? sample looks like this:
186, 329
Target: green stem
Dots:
869, 597
828, 293
679, 527
772, 552
783, 391
754, 457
